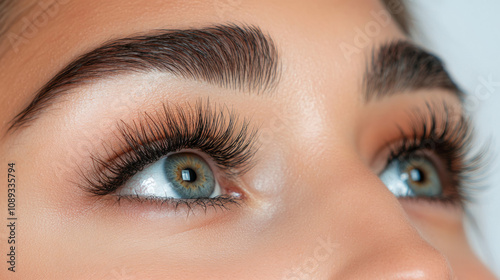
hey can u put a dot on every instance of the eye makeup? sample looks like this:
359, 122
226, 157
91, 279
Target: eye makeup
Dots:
444, 141
225, 140
228, 144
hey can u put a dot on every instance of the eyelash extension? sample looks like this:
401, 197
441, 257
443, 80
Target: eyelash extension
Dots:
216, 132
451, 141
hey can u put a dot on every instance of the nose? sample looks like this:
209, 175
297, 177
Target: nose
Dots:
393, 260
383, 242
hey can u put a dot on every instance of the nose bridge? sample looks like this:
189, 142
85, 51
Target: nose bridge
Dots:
381, 242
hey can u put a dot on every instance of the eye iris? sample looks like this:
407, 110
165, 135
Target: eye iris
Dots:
422, 177
189, 175
414, 176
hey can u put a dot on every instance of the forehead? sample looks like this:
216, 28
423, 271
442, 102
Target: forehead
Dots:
23, 21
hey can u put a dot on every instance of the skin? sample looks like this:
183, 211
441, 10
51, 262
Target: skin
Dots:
315, 182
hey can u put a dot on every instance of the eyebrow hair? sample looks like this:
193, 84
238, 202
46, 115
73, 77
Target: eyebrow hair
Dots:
229, 56
399, 12
400, 66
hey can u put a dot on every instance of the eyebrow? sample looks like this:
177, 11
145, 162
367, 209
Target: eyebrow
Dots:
401, 66
240, 58
229, 56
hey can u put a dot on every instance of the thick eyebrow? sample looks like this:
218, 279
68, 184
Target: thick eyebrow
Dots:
400, 66
229, 56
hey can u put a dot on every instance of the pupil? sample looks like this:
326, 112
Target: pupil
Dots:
188, 175
416, 175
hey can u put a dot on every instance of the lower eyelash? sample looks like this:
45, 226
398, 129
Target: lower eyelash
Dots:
217, 132
222, 202
451, 140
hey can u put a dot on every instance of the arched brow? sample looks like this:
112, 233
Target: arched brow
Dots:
229, 56
400, 66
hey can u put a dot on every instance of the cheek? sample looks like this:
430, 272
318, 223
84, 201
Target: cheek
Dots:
436, 221
442, 226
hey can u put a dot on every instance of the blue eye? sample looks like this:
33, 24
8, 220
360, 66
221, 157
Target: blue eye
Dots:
415, 176
179, 176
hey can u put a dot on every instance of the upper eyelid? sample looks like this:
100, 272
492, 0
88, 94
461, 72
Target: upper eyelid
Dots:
454, 136
424, 122
151, 137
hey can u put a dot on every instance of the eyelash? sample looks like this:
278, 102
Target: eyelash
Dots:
451, 143
230, 144
220, 202
217, 132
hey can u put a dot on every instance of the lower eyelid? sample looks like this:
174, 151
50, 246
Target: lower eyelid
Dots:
156, 216
169, 208
433, 210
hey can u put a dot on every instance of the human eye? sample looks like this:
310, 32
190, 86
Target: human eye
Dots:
433, 161
177, 176
190, 156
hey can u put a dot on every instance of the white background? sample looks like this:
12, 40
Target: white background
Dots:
466, 35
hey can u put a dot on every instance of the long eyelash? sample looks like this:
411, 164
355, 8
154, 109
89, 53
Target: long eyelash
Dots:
216, 132
451, 140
